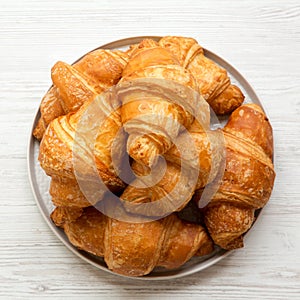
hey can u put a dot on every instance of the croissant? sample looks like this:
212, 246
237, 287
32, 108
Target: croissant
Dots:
213, 81
206, 156
172, 182
50, 109
133, 249
73, 85
66, 192
153, 120
56, 154
66, 214
248, 178
156, 112
169, 186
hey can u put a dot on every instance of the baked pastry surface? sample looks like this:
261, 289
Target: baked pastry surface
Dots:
158, 134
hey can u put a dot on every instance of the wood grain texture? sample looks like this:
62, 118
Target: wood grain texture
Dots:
260, 38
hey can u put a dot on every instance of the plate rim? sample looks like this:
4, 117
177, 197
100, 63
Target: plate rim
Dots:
59, 232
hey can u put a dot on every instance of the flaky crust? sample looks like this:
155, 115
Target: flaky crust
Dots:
73, 85
134, 249
248, 178
65, 214
250, 124
56, 156
149, 133
66, 192
166, 129
50, 109
227, 223
213, 81
205, 155
169, 186
86, 231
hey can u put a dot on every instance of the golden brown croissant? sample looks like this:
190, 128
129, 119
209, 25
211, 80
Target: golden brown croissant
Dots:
169, 186
56, 154
152, 120
73, 85
66, 191
155, 101
50, 109
248, 178
174, 181
133, 249
66, 214
213, 81
206, 155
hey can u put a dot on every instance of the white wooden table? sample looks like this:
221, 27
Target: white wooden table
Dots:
260, 38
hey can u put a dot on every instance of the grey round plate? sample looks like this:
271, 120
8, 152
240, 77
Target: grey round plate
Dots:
40, 182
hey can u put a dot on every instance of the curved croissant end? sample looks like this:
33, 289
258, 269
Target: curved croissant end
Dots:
248, 179
133, 249
213, 81
73, 85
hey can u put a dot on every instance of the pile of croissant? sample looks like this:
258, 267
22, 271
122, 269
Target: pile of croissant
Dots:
136, 248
